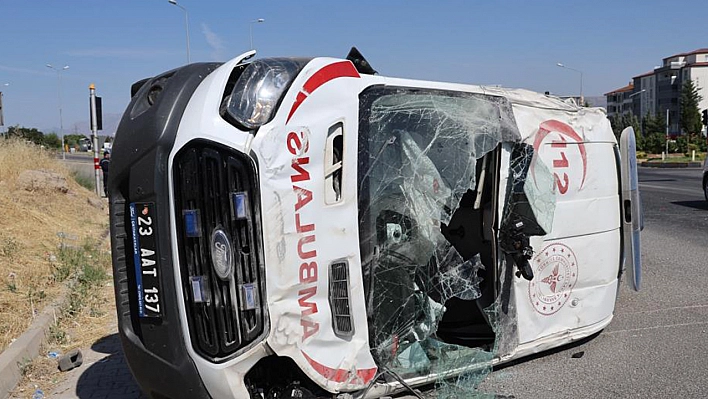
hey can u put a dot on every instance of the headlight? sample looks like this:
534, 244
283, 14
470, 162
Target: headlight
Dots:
258, 91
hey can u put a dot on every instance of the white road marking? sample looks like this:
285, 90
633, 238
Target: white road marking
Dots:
698, 323
695, 191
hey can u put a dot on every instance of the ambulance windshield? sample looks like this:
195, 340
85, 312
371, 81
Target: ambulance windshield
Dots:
426, 210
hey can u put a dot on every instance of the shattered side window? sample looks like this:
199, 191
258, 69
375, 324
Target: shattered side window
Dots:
427, 162
541, 194
529, 208
536, 195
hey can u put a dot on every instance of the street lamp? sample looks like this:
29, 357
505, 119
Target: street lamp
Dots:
582, 99
250, 28
61, 118
186, 26
632, 95
637, 93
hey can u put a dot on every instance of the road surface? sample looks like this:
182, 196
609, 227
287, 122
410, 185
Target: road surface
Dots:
656, 346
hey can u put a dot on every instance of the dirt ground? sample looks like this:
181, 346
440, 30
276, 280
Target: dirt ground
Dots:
92, 324
53, 235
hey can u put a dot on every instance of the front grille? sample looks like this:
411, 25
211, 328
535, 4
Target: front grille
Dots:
224, 313
339, 299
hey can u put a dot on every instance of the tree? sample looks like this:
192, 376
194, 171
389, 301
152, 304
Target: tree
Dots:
51, 140
654, 142
620, 121
654, 124
73, 140
690, 115
654, 134
33, 135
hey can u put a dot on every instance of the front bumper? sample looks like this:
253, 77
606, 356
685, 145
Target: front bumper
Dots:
155, 349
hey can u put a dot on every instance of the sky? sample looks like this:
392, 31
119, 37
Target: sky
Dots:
114, 43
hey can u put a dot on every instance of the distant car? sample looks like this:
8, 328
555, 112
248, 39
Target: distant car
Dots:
705, 178
85, 144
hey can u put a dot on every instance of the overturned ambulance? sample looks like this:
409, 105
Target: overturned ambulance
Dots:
291, 227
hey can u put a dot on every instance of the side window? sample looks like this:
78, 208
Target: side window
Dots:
334, 154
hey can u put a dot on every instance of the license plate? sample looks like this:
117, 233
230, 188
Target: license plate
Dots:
145, 257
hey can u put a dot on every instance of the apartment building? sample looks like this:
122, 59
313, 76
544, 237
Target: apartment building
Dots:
659, 91
645, 93
620, 101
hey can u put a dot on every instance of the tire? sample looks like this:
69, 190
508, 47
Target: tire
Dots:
705, 186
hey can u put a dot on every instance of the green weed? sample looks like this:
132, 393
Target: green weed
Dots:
85, 266
25, 365
76, 300
96, 312
92, 275
87, 182
57, 335
69, 258
9, 247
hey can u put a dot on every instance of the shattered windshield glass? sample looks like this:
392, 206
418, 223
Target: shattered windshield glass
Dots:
428, 163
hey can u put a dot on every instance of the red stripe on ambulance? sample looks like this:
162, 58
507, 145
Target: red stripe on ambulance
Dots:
341, 375
342, 69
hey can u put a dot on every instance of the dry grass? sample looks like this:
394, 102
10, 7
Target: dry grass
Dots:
33, 225
80, 327
17, 156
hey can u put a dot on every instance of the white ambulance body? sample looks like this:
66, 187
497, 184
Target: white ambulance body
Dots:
307, 227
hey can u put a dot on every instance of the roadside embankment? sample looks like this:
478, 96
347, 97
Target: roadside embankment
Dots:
47, 220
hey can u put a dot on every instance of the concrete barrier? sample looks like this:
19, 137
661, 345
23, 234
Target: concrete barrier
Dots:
25, 348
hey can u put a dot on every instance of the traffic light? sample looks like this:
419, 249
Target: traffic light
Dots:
705, 117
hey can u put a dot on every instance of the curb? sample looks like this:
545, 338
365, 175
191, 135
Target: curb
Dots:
671, 165
26, 348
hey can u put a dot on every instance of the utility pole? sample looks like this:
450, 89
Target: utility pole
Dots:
667, 132
61, 118
94, 135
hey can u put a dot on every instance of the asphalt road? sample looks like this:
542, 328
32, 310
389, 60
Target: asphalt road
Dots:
657, 344
83, 157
